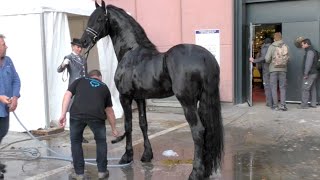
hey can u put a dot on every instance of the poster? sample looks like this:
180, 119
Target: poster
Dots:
209, 39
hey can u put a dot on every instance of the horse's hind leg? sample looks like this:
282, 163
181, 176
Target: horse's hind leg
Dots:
147, 154
126, 105
197, 131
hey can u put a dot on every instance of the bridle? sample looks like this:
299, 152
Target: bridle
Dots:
95, 35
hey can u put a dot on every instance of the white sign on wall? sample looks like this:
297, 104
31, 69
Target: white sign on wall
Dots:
209, 39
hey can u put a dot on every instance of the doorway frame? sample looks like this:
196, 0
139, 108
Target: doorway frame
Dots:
241, 67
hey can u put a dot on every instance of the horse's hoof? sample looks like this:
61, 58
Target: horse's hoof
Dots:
125, 161
146, 159
196, 176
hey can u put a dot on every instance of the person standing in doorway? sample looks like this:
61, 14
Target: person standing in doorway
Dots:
310, 74
75, 64
278, 57
9, 87
92, 105
265, 70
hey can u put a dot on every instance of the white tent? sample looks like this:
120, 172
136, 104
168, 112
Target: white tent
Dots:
38, 37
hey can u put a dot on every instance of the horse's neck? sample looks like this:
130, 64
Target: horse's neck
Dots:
127, 35
121, 48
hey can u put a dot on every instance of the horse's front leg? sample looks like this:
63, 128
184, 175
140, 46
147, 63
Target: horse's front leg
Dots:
126, 102
147, 154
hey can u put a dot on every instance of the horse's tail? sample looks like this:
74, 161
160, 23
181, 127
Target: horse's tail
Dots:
210, 115
118, 139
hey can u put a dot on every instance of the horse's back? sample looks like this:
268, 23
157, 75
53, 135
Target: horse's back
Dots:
189, 67
193, 56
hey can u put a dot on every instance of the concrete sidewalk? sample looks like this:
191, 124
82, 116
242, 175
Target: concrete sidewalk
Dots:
259, 144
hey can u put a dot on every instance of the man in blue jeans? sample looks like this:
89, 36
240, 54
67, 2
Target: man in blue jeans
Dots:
91, 106
9, 87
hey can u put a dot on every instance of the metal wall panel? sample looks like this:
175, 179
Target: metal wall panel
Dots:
298, 18
294, 75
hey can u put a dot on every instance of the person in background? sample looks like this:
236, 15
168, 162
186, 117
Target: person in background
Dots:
265, 70
310, 74
277, 74
75, 64
9, 91
92, 105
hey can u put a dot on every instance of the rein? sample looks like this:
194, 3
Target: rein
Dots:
86, 54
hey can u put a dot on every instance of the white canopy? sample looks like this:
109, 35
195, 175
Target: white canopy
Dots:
15, 7
38, 37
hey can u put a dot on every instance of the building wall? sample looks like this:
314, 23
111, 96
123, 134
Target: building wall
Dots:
170, 22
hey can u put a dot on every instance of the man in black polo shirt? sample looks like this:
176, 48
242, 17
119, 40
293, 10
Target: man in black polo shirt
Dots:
91, 106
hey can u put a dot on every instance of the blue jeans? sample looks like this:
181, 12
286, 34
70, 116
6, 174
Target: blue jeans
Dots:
4, 127
98, 128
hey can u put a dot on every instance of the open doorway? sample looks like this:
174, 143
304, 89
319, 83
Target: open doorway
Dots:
261, 31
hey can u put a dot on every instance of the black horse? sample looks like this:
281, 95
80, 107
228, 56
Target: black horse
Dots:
188, 71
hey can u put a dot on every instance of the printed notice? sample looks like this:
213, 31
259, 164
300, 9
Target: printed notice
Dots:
209, 39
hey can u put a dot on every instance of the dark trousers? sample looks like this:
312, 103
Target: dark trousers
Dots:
4, 127
282, 78
267, 89
309, 87
98, 128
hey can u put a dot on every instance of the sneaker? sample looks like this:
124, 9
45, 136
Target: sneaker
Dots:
1, 176
313, 106
103, 175
77, 176
283, 108
275, 108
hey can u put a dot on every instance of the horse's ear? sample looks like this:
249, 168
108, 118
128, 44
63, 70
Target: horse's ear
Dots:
97, 5
103, 4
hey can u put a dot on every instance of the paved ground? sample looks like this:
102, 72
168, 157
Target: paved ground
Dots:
259, 144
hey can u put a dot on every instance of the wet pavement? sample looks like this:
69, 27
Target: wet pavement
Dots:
260, 144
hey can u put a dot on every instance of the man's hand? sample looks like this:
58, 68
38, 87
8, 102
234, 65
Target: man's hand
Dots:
13, 105
251, 59
305, 77
115, 133
4, 99
62, 120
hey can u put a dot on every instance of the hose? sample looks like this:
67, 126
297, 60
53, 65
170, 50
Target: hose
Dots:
34, 153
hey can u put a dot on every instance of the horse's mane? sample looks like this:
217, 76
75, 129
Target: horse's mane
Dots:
128, 23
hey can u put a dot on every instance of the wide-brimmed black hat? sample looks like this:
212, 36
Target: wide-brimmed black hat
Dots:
77, 42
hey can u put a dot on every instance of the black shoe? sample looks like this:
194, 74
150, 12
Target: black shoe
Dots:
1, 176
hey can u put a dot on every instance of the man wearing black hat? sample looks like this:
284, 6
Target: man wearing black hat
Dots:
74, 62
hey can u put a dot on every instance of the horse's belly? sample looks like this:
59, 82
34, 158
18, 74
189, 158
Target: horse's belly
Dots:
143, 86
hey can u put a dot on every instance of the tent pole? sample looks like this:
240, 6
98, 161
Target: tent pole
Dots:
44, 67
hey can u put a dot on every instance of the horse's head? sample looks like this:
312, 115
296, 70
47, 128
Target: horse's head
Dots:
96, 27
